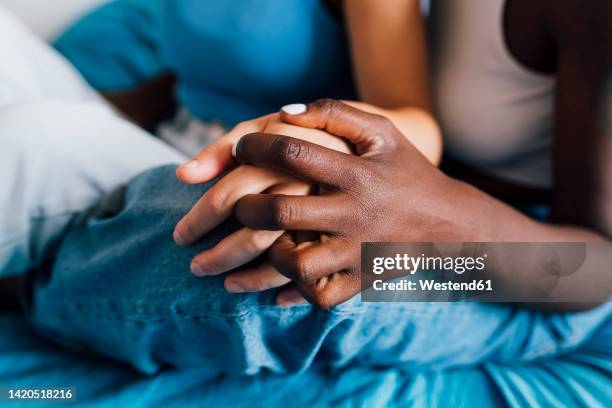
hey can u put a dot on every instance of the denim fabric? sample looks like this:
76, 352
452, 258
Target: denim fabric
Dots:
122, 287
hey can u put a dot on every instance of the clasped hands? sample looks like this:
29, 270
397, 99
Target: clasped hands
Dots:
312, 183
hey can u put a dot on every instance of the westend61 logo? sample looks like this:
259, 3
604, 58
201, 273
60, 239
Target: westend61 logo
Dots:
411, 264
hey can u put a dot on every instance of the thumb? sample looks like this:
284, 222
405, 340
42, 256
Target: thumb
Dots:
217, 157
368, 132
207, 164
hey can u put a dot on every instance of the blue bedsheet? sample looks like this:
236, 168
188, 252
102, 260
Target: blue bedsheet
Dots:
579, 379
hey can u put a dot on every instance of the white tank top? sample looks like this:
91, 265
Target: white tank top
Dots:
496, 115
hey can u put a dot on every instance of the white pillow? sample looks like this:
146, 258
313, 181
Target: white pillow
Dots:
48, 18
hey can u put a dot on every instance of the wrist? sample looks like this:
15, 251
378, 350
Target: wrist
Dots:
470, 212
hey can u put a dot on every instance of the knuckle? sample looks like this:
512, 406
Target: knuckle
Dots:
352, 179
360, 177
217, 203
322, 300
287, 149
283, 212
328, 292
327, 104
258, 241
302, 268
258, 284
332, 108
368, 175
383, 123
378, 123
384, 131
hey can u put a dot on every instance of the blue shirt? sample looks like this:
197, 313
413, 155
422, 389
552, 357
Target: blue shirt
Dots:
239, 60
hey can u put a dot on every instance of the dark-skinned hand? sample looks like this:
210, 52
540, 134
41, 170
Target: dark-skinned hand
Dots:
386, 192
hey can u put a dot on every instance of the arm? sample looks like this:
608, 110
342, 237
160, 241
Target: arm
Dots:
390, 65
582, 194
582, 197
583, 135
147, 104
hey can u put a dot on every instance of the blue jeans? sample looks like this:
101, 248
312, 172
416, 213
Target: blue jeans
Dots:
120, 286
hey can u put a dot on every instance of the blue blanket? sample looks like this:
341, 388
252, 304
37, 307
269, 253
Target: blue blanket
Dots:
579, 379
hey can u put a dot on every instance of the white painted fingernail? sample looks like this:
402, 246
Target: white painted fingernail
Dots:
294, 109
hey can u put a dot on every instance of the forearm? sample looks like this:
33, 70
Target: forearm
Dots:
148, 104
479, 217
416, 124
400, 90
481, 214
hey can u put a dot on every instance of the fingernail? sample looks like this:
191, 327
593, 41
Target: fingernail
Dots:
233, 287
234, 148
294, 109
197, 269
178, 239
290, 301
191, 163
